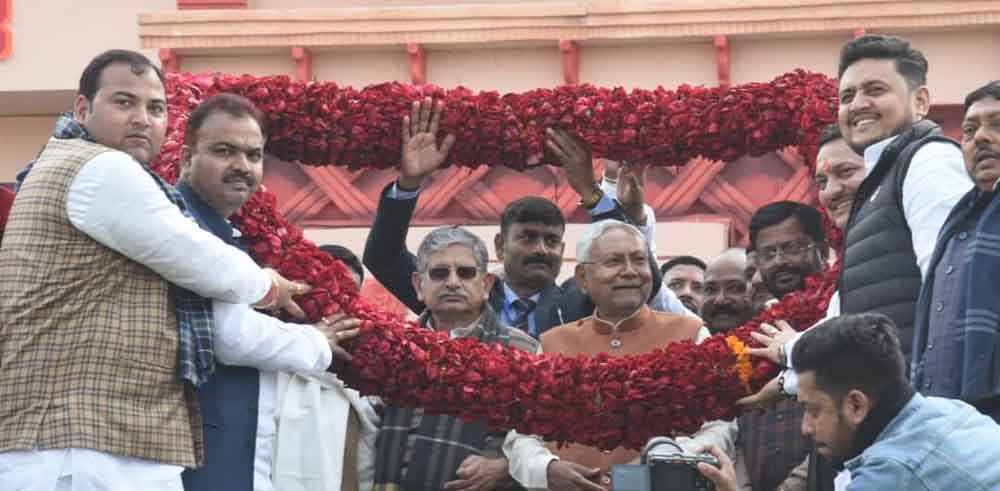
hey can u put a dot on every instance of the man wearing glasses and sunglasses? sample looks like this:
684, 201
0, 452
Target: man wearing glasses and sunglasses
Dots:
418, 451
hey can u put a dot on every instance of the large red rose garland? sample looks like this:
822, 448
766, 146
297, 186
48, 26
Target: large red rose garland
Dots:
601, 401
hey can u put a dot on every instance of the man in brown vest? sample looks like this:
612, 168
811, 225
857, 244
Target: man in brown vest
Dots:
611, 268
97, 384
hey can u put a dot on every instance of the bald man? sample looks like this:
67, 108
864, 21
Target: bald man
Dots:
727, 301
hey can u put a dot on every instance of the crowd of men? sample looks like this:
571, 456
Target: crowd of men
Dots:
136, 351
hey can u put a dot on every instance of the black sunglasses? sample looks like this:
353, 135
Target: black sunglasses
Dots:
442, 273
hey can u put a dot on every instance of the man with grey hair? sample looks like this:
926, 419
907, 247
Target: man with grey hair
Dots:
612, 268
418, 451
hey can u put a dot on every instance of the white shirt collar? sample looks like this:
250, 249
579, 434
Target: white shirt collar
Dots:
874, 152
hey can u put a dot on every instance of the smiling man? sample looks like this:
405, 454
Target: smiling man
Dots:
612, 269
915, 176
956, 346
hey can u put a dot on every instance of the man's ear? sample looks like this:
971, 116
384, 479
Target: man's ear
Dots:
921, 102
489, 279
856, 406
185, 157
498, 244
580, 273
416, 279
81, 108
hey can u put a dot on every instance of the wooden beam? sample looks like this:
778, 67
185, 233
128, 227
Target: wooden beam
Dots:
169, 61
210, 4
303, 63
418, 63
570, 61
723, 60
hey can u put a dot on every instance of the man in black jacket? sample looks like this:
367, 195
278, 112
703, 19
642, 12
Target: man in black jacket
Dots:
530, 243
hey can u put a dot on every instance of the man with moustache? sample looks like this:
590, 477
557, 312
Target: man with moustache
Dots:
222, 164
956, 346
915, 176
789, 245
864, 415
530, 241
432, 452
611, 269
105, 284
685, 275
727, 302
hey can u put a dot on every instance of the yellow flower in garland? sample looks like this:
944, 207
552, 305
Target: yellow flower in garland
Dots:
743, 366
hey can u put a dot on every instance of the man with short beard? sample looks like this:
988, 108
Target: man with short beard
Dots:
864, 415
789, 245
727, 303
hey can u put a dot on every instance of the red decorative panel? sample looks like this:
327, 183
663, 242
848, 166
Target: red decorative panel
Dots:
6, 35
211, 4
337, 197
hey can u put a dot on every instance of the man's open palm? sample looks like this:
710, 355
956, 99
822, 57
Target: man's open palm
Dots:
421, 153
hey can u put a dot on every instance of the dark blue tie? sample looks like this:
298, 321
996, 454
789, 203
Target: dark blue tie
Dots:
522, 309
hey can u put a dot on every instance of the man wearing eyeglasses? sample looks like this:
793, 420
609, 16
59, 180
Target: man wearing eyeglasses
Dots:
611, 269
418, 451
789, 245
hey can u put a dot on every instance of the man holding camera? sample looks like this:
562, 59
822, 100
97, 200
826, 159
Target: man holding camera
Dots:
865, 416
613, 270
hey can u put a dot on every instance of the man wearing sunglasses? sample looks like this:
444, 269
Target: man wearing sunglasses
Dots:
418, 451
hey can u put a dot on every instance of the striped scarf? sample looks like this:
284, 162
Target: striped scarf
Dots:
194, 313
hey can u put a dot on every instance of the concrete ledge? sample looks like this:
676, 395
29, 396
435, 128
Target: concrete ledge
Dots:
548, 21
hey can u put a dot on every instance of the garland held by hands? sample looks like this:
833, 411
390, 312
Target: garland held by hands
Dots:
601, 401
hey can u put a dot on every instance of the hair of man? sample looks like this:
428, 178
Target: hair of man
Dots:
682, 260
344, 254
831, 133
774, 213
443, 237
854, 352
597, 229
90, 79
531, 209
910, 62
991, 89
234, 105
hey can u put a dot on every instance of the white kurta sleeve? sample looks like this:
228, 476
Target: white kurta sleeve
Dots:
246, 337
114, 201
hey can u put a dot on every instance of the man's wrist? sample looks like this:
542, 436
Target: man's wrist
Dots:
591, 198
409, 184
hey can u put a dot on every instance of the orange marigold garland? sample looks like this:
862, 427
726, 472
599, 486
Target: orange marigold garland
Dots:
601, 401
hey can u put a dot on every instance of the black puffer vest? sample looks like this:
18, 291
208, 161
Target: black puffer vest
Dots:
880, 271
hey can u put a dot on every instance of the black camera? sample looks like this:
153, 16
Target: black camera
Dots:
665, 467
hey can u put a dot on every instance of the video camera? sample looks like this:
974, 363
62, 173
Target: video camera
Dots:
665, 466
